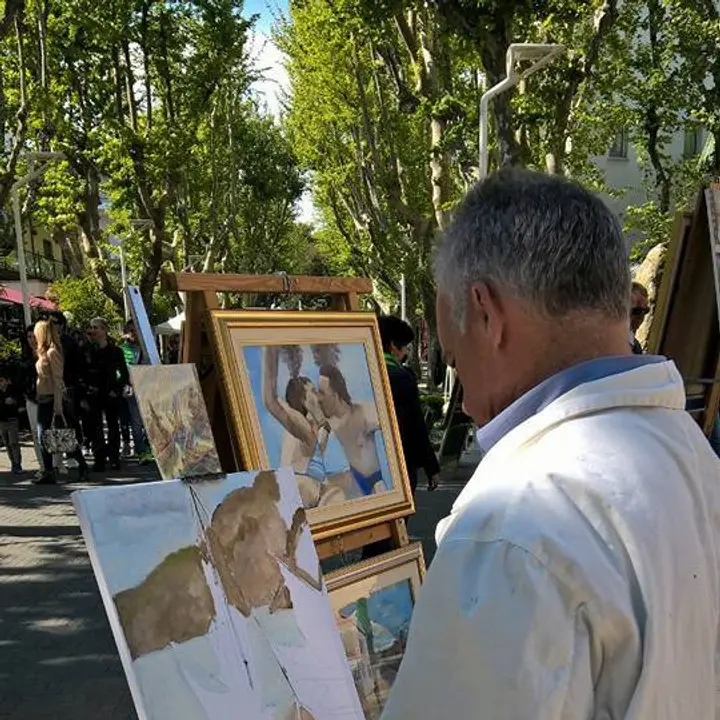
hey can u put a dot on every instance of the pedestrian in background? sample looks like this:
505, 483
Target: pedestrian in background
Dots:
639, 308
132, 352
107, 379
397, 336
577, 575
50, 396
29, 381
10, 399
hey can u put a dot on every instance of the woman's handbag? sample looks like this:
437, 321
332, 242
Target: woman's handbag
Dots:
59, 440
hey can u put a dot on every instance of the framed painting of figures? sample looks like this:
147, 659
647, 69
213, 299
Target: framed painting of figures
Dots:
216, 600
373, 602
309, 390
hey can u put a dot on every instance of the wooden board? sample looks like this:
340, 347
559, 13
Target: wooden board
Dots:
686, 328
259, 284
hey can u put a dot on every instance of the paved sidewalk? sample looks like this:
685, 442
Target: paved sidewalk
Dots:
57, 656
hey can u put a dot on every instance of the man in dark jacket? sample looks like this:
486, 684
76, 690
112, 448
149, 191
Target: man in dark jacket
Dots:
107, 379
396, 336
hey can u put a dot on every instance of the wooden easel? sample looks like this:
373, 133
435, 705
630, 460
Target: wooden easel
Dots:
685, 322
201, 296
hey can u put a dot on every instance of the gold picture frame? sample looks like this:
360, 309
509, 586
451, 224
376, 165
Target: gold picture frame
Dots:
373, 602
310, 390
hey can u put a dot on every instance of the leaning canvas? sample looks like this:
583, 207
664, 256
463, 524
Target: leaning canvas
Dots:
176, 420
216, 600
309, 390
142, 325
373, 603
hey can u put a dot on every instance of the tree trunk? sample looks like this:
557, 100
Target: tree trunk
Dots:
89, 221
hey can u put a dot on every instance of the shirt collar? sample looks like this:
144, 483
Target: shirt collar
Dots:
552, 388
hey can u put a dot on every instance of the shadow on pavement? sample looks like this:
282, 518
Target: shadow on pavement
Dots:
57, 656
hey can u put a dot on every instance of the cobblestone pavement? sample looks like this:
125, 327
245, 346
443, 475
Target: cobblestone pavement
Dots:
57, 656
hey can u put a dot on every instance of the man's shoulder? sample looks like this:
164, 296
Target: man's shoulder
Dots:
581, 494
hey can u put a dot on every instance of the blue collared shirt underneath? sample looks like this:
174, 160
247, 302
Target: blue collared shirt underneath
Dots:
552, 388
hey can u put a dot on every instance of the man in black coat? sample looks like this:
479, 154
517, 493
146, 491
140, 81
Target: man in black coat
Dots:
107, 379
396, 336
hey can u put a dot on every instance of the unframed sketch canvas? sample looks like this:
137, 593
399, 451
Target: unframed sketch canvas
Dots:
373, 603
176, 420
216, 599
309, 390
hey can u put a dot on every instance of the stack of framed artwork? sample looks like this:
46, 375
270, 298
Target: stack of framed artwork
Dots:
309, 390
685, 325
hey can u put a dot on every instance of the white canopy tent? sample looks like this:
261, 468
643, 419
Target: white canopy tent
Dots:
171, 326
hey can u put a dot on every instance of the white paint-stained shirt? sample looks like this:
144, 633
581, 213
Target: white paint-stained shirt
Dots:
577, 576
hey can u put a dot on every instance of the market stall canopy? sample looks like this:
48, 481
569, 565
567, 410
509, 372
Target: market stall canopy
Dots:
171, 326
8, 296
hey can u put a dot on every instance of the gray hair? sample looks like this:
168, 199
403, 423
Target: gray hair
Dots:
101, 321
550, 241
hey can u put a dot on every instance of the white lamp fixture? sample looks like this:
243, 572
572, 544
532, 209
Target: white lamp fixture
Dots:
542, 55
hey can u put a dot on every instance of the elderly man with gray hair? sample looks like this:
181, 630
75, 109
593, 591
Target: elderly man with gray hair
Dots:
578, 574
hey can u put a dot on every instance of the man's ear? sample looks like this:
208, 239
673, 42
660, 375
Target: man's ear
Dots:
487, 307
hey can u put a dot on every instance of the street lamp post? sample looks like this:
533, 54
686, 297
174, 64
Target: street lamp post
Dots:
46, 158
542, 55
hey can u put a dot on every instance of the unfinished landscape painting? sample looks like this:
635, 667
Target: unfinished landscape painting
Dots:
216, 599
176, 420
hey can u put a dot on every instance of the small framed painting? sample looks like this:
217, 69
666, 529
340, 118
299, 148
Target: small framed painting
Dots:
176, 421
373, 603
309, 390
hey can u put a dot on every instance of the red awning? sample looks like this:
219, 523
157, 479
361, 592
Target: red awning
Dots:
8, 295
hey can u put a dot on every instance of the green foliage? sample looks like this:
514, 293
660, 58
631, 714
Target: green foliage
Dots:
150, 102
10, 352
651, 224
85, 300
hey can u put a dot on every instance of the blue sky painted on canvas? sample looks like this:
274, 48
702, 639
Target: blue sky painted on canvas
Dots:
136, 526
390, 607
353, 364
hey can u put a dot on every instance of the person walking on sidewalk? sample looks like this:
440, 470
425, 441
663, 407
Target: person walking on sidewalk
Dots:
50, 396
107, 379
9, 410
29, 382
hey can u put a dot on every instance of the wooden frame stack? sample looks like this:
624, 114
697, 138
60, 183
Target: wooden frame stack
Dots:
685, 325
201, 297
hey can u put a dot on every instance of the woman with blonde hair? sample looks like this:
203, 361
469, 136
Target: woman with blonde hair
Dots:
50, 391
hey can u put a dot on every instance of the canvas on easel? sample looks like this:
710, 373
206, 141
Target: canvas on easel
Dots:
201, 291
215, 597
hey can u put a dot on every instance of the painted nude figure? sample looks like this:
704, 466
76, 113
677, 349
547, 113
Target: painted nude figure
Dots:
308, 432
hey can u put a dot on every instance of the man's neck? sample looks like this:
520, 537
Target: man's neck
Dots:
102, 344
558, 351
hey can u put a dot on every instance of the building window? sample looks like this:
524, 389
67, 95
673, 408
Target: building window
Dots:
48, 250
692, 142
619, 148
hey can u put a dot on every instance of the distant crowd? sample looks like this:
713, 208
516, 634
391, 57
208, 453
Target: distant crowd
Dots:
76, 381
